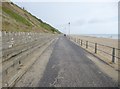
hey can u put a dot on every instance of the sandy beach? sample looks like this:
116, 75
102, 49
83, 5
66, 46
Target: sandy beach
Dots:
100, 40
103, 52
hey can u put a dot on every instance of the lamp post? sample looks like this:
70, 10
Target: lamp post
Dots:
69, 27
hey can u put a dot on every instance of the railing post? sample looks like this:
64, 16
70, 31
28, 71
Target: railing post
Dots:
76, 40
86, 44
95, 47
81, 42
113, 55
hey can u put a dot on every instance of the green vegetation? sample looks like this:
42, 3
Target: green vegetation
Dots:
0, 8
16, 16
30, 22
48, 27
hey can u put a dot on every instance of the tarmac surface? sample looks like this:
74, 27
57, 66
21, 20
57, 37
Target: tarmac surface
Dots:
69, 66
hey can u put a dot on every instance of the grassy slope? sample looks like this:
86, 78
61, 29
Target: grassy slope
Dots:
16, 19
16, 16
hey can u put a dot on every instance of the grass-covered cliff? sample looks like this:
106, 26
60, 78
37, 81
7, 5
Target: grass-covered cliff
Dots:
18, 19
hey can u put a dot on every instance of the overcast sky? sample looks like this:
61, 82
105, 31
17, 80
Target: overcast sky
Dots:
84, 17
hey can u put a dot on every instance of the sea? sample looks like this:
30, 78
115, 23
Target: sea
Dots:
111, 36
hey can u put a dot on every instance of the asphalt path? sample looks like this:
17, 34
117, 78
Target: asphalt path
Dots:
69, 66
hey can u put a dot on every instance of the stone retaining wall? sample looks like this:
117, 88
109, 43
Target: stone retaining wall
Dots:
16, 46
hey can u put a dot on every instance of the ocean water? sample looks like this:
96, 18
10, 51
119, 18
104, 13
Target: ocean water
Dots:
111, 36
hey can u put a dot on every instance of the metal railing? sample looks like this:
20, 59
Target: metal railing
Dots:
98, 47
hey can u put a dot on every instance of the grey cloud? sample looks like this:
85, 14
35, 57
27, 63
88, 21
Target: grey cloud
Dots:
82, 22
92, 21
79, 22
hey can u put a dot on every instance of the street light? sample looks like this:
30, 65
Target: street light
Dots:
69, 27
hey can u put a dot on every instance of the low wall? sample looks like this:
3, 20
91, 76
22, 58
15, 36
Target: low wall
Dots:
16, 46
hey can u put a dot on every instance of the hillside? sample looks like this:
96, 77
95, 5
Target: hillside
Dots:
17, 19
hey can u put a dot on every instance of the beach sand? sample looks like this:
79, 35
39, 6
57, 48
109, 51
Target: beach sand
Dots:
100, 40
103, 52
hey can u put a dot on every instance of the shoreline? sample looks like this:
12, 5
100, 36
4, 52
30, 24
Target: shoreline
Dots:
100, 40
109, 36
101, 37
